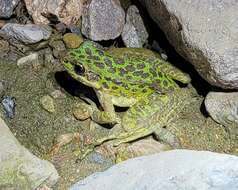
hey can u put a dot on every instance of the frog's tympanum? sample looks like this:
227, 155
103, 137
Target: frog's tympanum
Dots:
129, 77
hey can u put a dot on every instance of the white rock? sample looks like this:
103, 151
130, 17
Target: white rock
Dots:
171, 170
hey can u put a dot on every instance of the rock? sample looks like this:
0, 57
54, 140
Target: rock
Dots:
47, 103
2, 23
28, 34
4, 46
67, 11
72, 40
177, 169
140, 148
103, 19
58, 46
134, 33
7, 7
223, 107
19, 168
203, 32
32, 59
9, 105
1, 88
57, 94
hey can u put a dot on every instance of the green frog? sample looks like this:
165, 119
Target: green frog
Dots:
128, 77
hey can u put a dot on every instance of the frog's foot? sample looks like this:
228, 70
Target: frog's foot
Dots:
87, 109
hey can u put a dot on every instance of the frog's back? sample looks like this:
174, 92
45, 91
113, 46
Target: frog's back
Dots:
127, 75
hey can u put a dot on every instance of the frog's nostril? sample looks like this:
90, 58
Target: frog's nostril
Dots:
79, 69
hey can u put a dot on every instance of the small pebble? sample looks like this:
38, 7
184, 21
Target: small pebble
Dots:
57, 94
47, 103
9, 105
30, 59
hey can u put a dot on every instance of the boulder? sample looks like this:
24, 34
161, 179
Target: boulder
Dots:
27, 34
222, 107
204, 33
67, 11
7, 8
134, 33
19, 168
176, 169
103, 19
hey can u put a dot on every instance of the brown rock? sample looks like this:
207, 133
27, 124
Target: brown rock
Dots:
72, 40
68, 11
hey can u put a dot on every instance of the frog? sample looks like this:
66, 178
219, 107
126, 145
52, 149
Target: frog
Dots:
137, 78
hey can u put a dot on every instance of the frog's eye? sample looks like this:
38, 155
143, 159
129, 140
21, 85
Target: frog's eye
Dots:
79, 69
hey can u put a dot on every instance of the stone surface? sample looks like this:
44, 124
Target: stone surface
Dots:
27, 34
103, 19
223, 107
47, 103
203, 32
134, 33
177, 169
19, 168
28, 60
57, 46
67, 11
72, 40
7, 7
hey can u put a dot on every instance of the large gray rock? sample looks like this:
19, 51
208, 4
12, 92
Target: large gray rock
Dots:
103, 19
67, 11
7, 7
223, 107
177, 169
27, 34
134, 33
19, 169
203, 32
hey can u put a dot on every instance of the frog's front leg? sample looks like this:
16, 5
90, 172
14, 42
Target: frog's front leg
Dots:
85, 110
109, 115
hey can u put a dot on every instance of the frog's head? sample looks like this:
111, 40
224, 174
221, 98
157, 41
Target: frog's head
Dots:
80, 64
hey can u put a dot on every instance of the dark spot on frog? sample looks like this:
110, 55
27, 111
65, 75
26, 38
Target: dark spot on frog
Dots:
122, 71
165, 83
116, 81
128, 77
130, 68
108, 78
108, 61
88, 51
111, 70
145, 75
99, 64
155, 84
114, 87
125, 86
80, 56
140, 66
97, 58
100, 52
119, 61
105, 85
137, 73
92, 76
152, 71
144, 90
